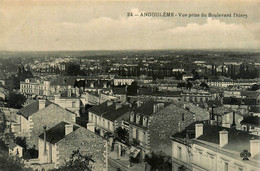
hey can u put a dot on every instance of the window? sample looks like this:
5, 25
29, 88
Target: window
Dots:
226, 167
179, 152
74, 104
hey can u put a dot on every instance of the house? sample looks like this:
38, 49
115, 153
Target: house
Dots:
251, 124
118, 81
108, 116
151, 125
68, 102
57, 144
202, 146
42, 113
15, 149
4, 93
227, 117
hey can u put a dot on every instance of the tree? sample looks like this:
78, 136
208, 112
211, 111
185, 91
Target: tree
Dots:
121, 134
204, 85
16, 100
189, 85
132, 89
158, 162
77, 162
73, 70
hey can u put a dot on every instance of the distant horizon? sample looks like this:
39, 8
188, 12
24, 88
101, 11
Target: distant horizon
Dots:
179, 49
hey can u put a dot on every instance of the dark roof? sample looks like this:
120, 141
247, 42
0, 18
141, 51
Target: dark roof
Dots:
110, 112
251, 120
12, 145
56, 133
64, 81
237, 140
147, 108
254, 109
119, 90
32, 108
231, 100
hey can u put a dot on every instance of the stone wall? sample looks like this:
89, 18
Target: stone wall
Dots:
49, 116
87, 142
163, 124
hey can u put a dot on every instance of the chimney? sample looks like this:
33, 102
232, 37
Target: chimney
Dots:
44, 134
91, 127
223, 138
132, 116
234, 120
138, 119
68, 129
109, 103
254, 147
138, 103
155, 108
118, 106
56, 98
69, 92
198, 130
41, 103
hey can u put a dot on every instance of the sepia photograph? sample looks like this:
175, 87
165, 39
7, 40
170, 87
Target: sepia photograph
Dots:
127, 85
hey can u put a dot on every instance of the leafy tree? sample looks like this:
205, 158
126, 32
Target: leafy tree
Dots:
77, 162
73, 70
181, 85
158, 162
16, 100
132, 89
255, 87
121, 133
204, 85
189, 85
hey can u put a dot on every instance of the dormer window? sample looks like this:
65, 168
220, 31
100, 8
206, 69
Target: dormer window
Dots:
132, 116
138, 119
145, 121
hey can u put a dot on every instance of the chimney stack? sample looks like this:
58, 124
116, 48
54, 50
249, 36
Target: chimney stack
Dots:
223, 138
56, 98
68, 129
44, 134
42, 104
254, 147
234, 120
198, 130
118, 106
69, 92
109, 103
155, 108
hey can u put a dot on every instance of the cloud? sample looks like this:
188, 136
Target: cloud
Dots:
43, 32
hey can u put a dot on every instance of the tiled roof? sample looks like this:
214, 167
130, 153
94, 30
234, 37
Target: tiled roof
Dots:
12, 145
109, 112
237, 140
119, 90
64, 81
251, 120
255, 109
32, 108
147, 108
56, 133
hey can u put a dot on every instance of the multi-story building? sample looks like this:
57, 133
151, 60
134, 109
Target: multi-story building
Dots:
57, 144
108, 116
202, 146
41, 113
152, 122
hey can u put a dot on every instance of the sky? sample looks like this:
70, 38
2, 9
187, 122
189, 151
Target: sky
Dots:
52, 25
